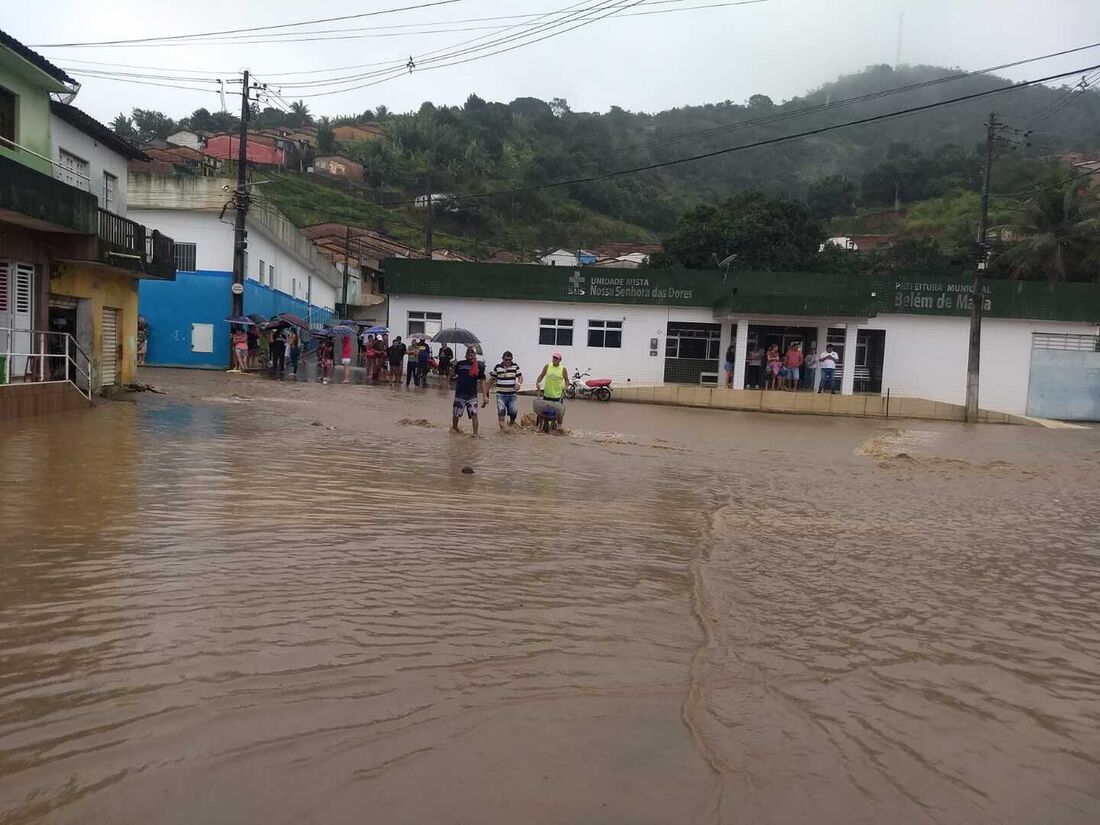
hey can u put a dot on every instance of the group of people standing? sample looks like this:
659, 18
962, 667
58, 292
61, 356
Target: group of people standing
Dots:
770, 369
265, 348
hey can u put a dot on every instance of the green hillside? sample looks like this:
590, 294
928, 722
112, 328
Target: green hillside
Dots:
499, 159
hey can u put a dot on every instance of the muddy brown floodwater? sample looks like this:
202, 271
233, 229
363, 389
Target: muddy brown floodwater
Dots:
213, 610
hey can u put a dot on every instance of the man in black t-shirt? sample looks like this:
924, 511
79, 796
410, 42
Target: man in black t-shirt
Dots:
396, 354
446, 356
469, 377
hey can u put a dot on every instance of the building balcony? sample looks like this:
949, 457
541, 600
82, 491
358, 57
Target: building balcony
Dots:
38, 202
126, 244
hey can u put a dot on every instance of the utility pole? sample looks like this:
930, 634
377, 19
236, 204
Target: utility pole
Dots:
428, 223
347, 252
240, 199
974, 352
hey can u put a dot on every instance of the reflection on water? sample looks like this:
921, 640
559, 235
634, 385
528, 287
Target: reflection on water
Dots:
210, 614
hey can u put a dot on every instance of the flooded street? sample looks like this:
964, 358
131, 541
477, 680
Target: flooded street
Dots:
247, 601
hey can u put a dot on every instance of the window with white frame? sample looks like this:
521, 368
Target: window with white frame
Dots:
425, 323
73, 170
294, 287
263, 272
271, 275
110, 190
185, 256
605, 334
556, 332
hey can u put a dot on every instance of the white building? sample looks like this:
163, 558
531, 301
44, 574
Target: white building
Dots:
284, 270
905, 338
88, 163
187, 138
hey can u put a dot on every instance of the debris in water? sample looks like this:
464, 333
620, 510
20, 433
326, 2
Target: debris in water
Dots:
416, 422
468, 470
315, 424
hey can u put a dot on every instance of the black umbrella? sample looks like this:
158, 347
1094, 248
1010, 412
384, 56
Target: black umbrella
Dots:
296, 320
456, 335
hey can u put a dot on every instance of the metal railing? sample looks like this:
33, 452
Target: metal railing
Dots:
43, 356
122, 234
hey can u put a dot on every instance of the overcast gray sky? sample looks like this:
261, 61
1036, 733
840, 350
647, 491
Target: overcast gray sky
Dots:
645, 62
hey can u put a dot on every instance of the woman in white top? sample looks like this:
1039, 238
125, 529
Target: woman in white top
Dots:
809, 368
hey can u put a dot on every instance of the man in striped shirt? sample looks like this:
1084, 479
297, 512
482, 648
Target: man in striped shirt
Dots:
507, 378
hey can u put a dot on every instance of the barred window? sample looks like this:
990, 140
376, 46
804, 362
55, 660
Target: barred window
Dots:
185, 256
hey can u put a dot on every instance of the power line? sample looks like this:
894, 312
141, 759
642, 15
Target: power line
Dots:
195, 35
454, 50
586, 22
376, 31
1048, 187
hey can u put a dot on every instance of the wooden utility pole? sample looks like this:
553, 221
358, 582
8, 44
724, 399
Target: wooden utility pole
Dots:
973, 360
347, 252
240, 199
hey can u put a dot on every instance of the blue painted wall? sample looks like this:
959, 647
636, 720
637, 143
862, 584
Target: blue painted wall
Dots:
204, 297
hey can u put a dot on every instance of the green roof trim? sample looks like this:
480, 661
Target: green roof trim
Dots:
528, 282
802, 294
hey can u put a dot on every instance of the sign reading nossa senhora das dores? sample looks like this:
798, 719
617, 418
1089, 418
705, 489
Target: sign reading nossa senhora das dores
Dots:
619, 287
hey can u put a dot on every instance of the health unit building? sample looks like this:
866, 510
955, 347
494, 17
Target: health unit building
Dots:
904, 337
284, 271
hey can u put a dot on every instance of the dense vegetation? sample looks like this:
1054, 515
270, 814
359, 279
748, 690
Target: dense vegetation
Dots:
497, 160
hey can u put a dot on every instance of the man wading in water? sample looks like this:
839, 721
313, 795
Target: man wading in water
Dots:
552, 381
469, 377
507, 378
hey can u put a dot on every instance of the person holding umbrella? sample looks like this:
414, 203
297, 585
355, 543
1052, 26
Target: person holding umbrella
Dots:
469, 377
239, 339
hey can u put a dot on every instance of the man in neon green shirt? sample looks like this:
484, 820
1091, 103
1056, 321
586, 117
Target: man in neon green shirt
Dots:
552, 380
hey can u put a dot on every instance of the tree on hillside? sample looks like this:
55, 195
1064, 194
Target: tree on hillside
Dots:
207, 121
832, 195
1059, 230
326, 138
299, 114
123, 126
152, 125
763, 231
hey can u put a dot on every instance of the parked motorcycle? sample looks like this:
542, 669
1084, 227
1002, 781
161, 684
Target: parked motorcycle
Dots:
585, 387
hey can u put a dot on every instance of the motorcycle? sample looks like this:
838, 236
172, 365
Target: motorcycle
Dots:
585, 387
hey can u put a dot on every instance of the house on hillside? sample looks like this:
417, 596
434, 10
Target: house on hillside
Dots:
568, 257
261, 149
339, 167
358, 132
631, 260
284, 272
363, 250
71, 257
191, 139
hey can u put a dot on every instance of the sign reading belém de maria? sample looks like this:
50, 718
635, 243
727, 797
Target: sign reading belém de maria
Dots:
554, 283
938, 297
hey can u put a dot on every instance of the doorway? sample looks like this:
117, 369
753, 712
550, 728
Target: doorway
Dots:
109, 357
62, 319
